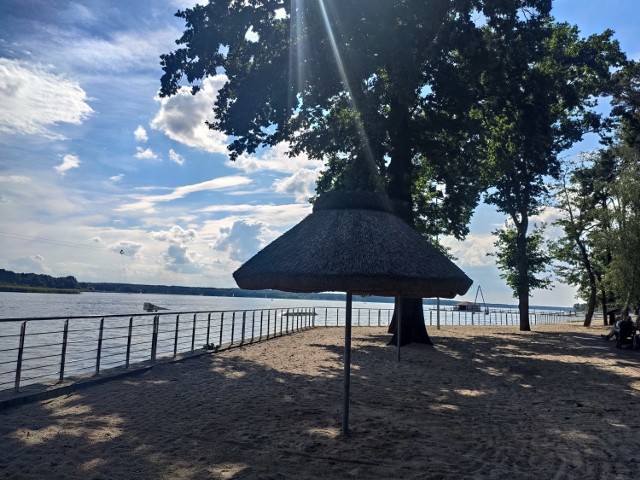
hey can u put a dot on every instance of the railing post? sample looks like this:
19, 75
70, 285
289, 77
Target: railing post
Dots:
208, 327
99, 347
268, 322
233, 327
261, 318
126, 361
193, 334
287, 314
314, 318
63, 354
221, 327
379, 313
326, 316
244, 323
175, 336
154, 337
281, 321
23, 329
253, 325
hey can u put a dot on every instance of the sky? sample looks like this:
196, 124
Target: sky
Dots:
103, 180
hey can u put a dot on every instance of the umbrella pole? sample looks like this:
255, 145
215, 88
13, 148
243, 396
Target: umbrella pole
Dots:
399, 322
347, 368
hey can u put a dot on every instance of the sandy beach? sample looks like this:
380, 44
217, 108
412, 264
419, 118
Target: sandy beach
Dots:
484, 402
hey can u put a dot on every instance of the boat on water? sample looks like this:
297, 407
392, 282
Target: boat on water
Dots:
150, 307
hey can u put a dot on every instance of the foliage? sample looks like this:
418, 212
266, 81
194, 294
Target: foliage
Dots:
541, 83
508, 259
8, 277
376, 89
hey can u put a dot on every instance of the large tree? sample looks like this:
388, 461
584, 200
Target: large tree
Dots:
543, 77
380, 90
582, 253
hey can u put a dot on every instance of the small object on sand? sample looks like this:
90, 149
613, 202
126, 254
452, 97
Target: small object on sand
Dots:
150, 307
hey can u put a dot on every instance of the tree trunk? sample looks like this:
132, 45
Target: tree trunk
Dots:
400, 172
603, 303
523, 273
593, 288
414, 329
591, 305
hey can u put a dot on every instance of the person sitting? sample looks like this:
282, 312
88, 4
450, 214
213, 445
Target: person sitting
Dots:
625, 332
615, 328
635, 339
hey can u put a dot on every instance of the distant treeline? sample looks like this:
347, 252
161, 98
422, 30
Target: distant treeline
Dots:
11, 281
220, 292
33, 282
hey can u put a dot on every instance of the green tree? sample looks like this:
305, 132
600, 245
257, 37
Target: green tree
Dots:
544, 78
582, 254
382, 90
508, 258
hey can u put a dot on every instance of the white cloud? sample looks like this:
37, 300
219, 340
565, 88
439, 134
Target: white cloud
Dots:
34, 100
278, 215
126, 247
117, 178
182, 117
472, 252
176, 234
275, 159
147, 202
68, 162
179, 259
141, 134
145, 154
241, 240
301, 184
176, 157
121, 52
14, 179
32, 264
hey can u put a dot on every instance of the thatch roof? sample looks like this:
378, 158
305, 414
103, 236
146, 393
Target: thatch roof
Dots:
352, 242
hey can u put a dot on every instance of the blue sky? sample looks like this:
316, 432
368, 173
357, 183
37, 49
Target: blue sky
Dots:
93, 163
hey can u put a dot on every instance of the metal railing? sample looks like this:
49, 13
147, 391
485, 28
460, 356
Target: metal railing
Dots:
42, 350
53, 349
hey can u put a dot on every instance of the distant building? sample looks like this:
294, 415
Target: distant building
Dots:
467, 307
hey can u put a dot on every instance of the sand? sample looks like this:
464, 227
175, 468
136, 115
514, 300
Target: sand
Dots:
485, 402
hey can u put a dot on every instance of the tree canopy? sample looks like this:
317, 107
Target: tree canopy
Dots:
431, 101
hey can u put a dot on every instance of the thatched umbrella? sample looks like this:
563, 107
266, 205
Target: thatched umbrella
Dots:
354, 243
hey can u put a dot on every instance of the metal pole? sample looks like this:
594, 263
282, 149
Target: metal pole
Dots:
261, 317
268, 322
154, 337
399, 322
208, 327
193, 334
23, 329
347, 369
244, 325
126, 361
438, 313
233, 327
63, 355
99, 347
175, 339
253, 325
287, 324
221, 327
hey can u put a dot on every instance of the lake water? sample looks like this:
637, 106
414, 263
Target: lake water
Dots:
29, 305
